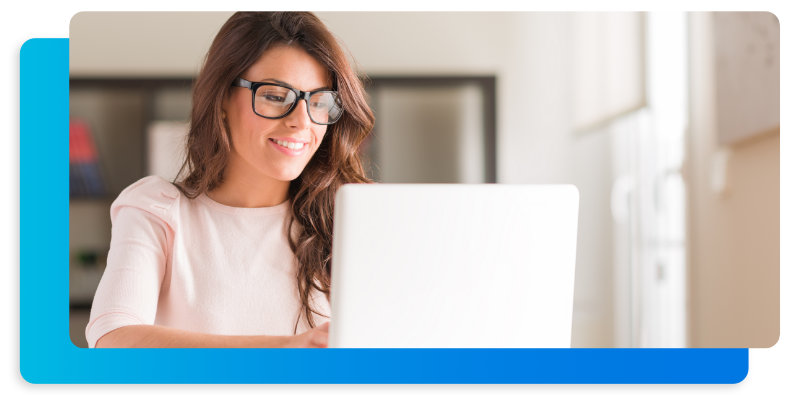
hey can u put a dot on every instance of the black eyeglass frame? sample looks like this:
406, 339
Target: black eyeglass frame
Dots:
299, 95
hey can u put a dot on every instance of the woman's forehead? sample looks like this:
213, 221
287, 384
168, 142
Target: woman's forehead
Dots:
292, 65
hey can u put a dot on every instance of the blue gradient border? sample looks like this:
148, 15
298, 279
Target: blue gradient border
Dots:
48, 356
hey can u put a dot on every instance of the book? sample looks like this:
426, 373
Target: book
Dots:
85, 177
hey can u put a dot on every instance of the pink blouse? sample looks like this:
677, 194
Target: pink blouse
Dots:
197, 265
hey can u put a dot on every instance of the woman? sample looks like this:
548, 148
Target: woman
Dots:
238, 253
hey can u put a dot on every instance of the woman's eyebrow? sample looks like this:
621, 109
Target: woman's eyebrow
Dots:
292, 86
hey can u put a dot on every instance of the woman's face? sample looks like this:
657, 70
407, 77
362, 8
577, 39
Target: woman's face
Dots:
259, 149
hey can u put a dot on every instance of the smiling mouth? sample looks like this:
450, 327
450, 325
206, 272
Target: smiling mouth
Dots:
289, 147
294, 146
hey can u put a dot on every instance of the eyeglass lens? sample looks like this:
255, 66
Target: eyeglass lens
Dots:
276, 101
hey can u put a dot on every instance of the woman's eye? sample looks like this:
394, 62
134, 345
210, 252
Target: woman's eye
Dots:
275, 98
320, 102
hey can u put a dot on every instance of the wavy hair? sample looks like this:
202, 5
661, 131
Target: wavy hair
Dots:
240, 42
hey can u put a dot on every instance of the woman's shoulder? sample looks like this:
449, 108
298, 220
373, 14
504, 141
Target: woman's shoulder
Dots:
152, 194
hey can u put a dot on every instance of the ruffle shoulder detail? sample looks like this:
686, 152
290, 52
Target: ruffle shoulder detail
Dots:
152, 194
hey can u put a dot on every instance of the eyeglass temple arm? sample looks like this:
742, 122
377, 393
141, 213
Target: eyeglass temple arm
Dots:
242, 82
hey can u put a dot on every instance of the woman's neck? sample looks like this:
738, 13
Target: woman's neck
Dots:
249, 189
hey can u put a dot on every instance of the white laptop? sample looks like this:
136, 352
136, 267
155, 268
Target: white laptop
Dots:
453, 265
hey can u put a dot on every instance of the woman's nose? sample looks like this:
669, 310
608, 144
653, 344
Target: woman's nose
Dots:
298, 118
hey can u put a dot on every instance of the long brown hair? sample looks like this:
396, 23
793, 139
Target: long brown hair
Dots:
240, 42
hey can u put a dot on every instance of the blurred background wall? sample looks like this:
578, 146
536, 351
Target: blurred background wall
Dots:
679, 229
733, 175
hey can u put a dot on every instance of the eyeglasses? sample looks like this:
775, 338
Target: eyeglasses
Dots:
275, 101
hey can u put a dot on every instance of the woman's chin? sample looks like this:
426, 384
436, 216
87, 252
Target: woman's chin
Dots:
287, 175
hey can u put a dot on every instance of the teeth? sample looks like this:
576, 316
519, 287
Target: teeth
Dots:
289, 145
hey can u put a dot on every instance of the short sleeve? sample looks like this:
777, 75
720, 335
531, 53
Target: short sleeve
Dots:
142, 233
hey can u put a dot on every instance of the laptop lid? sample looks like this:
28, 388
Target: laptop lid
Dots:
453, 265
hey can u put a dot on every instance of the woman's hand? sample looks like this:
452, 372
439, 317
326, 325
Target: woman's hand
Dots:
316, 337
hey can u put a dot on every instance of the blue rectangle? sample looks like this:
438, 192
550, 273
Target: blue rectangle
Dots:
48, 356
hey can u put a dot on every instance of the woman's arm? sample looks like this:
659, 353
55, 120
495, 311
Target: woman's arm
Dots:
153, 336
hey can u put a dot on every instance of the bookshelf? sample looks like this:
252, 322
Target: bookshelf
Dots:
111, 116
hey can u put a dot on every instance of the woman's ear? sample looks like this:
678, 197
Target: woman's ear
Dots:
226, 103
